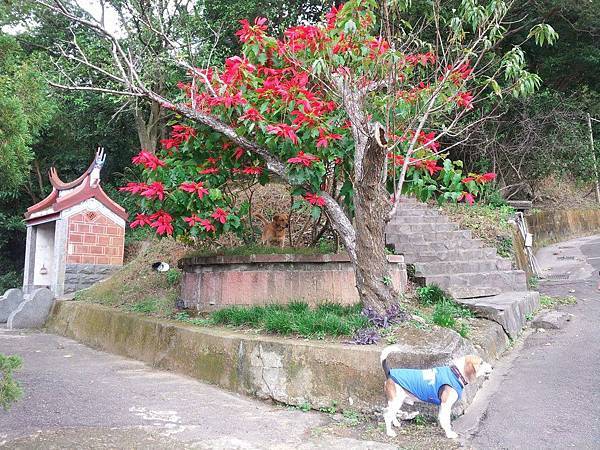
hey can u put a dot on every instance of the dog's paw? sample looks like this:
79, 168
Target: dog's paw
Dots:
451, 435
391, 433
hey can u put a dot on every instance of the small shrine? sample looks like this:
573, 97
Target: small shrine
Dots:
75, 236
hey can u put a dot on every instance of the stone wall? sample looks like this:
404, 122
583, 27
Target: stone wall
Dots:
81, 276
290, 371
217, 281
549, 227
94, 239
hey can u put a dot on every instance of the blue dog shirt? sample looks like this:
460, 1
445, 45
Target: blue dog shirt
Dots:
426, 384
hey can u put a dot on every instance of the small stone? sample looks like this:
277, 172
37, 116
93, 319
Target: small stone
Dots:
550, 320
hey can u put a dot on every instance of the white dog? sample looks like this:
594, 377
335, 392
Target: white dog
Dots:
440, 386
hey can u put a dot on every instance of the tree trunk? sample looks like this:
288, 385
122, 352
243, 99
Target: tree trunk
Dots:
148, 130
373, 279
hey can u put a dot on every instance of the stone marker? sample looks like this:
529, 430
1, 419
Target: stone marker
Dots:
9, 302
550, 320
33, 311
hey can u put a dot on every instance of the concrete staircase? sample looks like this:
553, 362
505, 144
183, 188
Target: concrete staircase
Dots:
452, 259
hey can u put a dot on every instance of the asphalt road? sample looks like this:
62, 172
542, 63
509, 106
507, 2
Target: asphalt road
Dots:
549, 397
79, 398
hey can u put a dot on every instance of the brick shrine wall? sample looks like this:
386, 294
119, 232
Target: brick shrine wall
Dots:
94, 239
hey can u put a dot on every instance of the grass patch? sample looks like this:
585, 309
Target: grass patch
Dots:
443, 310
295, 319
247, 250
486, 222
548, 302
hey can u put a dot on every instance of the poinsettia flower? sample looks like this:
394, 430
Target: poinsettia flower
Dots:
283, 130
140, 221
134, 188
467, 197
305, 159
421, 58
314, 199
236, 68
465, 99
197, 188
432, 167
209, 171
161, 220
148, 160
490, 176
219, 215
207, 225
238, 153
378, 46
331, 16
254, 32
324, 138
155, 189
467, 180
192, 220
251, 114
252, 170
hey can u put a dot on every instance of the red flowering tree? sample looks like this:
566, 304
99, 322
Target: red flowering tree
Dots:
348, 112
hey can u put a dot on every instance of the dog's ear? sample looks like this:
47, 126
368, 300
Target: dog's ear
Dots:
472, 363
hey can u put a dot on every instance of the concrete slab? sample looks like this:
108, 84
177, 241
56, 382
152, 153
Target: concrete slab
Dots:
11, 299
509, 309
33, 311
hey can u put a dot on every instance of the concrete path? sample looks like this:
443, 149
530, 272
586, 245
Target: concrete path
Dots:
79, 398
546, 394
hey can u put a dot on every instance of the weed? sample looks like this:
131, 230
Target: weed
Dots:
431, 295
147, 306
246, 250
547, 301
420, 420
387, 280
504, 246
391, 340
351, 417
304, 406
529, 317
444, 315
173, 276
464, 330
10, 390
533, 282
331, 409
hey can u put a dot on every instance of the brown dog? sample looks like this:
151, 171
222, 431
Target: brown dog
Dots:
274, 231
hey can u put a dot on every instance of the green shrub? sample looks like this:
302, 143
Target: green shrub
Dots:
147, 306
173, 276
10, 390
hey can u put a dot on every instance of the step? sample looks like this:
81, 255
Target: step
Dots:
461, 266
417, 212
450, 255
434, 236
401, 220
509, 309
423, 227
402, 245
468, 285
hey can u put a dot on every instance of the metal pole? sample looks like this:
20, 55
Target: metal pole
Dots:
589, 118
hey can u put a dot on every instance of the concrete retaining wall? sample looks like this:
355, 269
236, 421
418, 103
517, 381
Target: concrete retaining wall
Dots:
217, 281
549, 227
285, 370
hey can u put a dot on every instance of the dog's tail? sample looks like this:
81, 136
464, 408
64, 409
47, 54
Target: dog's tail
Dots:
384, 355
260, 217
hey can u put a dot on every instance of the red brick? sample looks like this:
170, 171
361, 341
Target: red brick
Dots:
103, 240
82, 228
116, 261
112, 230
74, 259
88, 259
117, 241
72, 226
102, 260
81, 249
96, 250
75, 238
98, 229
90, 239
101, 220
